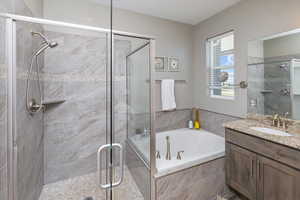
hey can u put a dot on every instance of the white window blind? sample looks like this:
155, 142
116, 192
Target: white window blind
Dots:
220, 58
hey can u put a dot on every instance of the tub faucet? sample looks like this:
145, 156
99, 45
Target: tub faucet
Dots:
179, 155
146, 132
168, 155
157, 155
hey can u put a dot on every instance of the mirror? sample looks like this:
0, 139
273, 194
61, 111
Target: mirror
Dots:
274, 75
223, 77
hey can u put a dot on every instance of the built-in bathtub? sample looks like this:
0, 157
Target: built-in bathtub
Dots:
199, 146
192, 177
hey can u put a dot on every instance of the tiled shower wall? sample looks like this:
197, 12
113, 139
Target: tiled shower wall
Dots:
29, 128
3, 113
277, 79
266, 82
75, 72
255, 86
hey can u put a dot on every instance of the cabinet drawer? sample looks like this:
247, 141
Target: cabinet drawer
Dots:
269, 149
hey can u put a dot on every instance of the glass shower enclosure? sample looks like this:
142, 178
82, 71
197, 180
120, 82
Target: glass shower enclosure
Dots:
90, 93
273, 88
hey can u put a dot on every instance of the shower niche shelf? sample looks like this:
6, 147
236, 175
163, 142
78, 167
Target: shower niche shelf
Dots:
266, 91
53, 102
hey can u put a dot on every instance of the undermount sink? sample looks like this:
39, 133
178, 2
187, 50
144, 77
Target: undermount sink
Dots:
271, 131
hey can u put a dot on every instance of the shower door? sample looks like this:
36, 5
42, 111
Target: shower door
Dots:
129, 120
130, 132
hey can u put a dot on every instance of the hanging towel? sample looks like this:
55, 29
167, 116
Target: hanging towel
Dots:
168, 94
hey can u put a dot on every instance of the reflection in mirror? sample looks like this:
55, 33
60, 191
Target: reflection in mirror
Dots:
274, 75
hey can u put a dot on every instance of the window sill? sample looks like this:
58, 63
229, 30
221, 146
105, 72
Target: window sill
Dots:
222, 97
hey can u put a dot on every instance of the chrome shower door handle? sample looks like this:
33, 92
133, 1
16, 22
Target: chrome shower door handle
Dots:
99, 163
120, 147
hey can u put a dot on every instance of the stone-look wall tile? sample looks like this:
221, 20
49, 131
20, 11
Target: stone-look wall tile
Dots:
277, 79
213, 122
3, 108
272, 78
3, 96
20, 8
6, 6
210, 121
201, 182
3, 183
164, 121
54, 90
29, 132
75, 71
76, 55
74, 130
256, 86
172, 120
139, 172
3, 144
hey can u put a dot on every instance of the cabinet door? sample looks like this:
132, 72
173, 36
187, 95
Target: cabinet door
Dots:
277, 181
241, 170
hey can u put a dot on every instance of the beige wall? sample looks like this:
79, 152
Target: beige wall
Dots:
6, 6
36, 7
173, 39
251, 19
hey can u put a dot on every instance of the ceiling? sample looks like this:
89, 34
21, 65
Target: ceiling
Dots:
185, 11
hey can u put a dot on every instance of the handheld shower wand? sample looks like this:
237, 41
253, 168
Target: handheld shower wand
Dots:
32, 105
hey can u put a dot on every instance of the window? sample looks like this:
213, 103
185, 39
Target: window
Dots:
220, 58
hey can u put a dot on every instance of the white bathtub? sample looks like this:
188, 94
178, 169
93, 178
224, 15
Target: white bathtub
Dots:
199, 146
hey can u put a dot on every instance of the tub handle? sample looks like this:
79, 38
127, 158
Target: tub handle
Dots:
158, 155
179, 155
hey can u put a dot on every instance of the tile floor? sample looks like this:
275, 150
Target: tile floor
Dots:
79, 188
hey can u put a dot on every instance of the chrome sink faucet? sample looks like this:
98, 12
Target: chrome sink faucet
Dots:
168, 155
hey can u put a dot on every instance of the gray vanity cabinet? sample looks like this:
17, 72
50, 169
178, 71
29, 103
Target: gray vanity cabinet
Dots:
277, 181
241, 170
261, 170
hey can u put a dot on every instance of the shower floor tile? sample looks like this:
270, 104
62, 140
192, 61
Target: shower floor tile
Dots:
81, 187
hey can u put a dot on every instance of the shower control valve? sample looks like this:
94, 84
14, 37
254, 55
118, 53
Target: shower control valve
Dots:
34, 107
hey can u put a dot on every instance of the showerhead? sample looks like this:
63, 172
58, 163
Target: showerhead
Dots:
45, 44
50, 44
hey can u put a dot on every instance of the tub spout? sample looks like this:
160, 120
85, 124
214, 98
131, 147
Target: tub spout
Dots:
168, 155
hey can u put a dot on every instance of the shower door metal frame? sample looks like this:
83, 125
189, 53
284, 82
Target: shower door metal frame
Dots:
11, 108
12, 95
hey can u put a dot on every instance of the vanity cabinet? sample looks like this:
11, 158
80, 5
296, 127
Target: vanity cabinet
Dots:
277, 181
241, 170
261, 170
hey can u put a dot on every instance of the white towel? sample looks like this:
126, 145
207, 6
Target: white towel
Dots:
168, 95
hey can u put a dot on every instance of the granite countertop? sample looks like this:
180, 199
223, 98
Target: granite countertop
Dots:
244, 126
